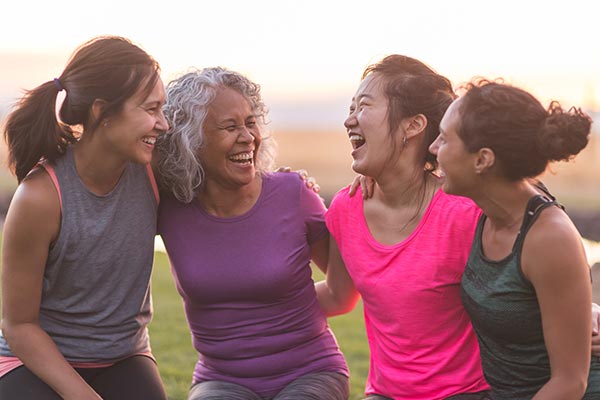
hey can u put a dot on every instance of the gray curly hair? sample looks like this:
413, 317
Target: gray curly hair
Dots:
188, 100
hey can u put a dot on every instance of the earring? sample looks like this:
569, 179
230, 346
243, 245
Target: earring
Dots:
105, 123
404, 141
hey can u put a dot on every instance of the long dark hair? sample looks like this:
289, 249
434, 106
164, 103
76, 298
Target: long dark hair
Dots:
108, 68
414, 88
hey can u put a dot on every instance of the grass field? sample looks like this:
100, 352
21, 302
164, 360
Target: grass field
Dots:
176, 357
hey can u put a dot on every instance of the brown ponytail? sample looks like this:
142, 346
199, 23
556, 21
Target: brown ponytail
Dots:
32, 131
108, 68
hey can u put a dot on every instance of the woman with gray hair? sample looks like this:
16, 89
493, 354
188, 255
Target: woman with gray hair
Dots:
240, 240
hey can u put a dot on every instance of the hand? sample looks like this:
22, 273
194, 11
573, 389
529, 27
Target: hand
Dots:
595, 330
309, 181
367, 186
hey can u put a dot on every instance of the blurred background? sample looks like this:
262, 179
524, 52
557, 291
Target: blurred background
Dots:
308, 57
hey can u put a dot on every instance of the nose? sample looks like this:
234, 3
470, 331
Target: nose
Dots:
161, 122
350, 121
433, 148
245, 134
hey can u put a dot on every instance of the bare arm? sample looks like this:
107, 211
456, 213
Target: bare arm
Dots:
554, 260
319, 253
32, 223
336, 294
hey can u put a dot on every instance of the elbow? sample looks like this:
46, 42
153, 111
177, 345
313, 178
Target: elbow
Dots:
6, 329
574, 386
343, 307
580, 386
14, 332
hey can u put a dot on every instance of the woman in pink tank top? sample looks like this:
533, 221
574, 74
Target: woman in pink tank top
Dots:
404, 249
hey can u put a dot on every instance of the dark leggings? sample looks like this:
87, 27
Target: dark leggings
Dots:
465, 396
134, 378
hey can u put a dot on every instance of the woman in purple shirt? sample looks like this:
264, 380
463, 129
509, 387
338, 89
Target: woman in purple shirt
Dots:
240, 241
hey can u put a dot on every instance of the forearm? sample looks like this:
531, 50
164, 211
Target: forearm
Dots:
334, 304
34, 347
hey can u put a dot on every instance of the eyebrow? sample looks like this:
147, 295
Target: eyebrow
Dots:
149, 102
227, 120
365, 95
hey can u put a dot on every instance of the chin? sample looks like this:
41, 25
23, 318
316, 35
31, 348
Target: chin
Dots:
356, 167
447, 188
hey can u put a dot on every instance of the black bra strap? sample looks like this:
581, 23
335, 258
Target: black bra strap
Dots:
534, 206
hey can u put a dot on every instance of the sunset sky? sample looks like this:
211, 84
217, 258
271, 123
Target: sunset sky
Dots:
308, 54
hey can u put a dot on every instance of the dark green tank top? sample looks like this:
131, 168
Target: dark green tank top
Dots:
506, 317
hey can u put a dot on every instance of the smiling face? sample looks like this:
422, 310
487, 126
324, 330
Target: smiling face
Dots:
456, 163
133, 131
231, 140
368, 128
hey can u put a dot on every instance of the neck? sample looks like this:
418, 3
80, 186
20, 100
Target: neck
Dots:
404, 191
504, 203
99, 170
227, 202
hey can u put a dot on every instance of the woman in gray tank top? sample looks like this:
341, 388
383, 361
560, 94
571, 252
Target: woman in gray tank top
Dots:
78, 238
526, 285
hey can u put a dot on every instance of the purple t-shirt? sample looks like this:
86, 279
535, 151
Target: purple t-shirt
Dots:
247, 289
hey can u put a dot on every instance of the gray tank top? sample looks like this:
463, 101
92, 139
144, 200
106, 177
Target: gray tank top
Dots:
96, 302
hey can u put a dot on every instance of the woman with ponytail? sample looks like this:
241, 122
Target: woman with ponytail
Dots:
77, 249
526, 286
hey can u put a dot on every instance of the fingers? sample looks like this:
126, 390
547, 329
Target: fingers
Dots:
311, 183
369, 187
595, 317
596, 345
356, 182
303, 174
283, 169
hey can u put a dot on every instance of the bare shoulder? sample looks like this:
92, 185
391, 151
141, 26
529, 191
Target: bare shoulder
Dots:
553, 226
35, 204
553, 246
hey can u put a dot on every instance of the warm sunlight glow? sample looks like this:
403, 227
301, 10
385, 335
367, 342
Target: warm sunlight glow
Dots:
314, 50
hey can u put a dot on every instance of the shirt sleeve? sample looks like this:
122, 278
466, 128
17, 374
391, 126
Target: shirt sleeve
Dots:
313, 209
336, 211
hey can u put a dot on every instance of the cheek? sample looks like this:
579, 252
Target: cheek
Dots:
257, 138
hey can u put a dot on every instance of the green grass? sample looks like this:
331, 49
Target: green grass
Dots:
171, 342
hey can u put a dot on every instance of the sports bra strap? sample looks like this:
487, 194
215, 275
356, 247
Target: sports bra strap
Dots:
534, 206
153, 182
50, 170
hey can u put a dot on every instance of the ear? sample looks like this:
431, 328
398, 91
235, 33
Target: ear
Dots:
415, 125
97, 108
485, 160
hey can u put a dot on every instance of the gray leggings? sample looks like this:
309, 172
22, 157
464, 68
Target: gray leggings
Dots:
317, 386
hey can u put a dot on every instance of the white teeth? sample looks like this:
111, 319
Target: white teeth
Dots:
242, 156
149, 140
355, 137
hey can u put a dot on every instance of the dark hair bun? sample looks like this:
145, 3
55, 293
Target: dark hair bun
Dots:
563, 134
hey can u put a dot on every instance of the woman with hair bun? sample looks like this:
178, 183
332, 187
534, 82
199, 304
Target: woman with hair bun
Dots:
526, 286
